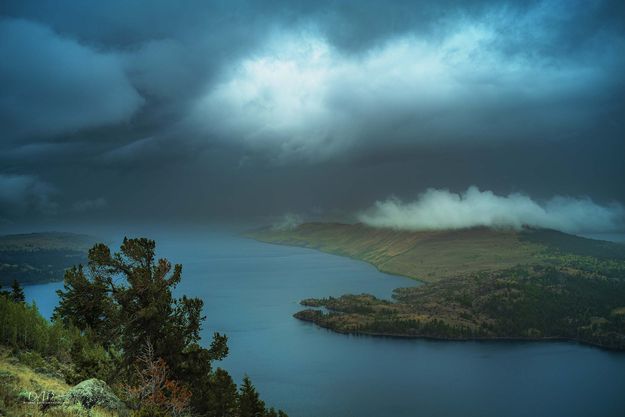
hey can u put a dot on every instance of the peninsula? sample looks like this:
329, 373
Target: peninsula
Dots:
480, 283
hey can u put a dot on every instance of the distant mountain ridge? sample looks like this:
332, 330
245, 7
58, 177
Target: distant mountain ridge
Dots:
41, 257
433, 255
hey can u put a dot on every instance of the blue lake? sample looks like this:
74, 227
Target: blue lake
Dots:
251, 290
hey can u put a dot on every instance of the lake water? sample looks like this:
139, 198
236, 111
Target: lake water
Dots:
251, 290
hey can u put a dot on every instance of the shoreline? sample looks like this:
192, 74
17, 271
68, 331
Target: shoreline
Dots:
459, 339
420, 281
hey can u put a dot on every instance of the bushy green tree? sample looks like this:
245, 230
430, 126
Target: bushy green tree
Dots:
90, 360
125, 301
23, 328
86, 304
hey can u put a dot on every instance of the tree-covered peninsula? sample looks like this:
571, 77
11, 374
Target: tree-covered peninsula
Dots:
479, 283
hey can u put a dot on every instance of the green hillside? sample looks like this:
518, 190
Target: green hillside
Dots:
433, 255
480, 283
41, 257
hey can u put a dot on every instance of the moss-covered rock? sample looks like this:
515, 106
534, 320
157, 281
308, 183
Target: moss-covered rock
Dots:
95, 392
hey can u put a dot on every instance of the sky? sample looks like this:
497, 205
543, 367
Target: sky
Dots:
199, 112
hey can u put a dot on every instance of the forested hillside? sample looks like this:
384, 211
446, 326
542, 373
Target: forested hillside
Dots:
41, 257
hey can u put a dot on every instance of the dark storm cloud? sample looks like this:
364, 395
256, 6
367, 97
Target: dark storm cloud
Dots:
53, 85
301, 96
220, 103
21, 194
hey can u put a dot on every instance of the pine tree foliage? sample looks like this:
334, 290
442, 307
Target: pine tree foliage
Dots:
250, 404
17, 293
124, 300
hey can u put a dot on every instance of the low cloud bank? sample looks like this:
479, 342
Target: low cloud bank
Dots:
441, 209
21, 194
289, 221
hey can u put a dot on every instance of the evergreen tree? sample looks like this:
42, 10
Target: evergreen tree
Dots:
250, 405
222, 401
124, 301
17, 293
126, 298
86, 304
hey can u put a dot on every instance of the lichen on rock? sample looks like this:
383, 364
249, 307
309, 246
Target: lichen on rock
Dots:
95, 392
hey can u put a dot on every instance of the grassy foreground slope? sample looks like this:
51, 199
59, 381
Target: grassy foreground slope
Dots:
41, 257
23, 389
481, 283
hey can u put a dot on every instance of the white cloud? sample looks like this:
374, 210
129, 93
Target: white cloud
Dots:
277, 98
300, 96
441, 209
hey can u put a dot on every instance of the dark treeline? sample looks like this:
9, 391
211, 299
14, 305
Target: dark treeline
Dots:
35, 266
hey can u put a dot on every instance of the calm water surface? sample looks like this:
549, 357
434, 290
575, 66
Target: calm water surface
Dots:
251, 290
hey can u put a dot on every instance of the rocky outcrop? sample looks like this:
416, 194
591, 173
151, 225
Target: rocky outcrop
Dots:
94, 392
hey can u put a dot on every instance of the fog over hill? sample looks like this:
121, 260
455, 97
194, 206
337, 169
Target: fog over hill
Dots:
442, 209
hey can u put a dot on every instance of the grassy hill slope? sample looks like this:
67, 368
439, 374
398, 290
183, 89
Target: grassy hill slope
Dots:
433, 255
